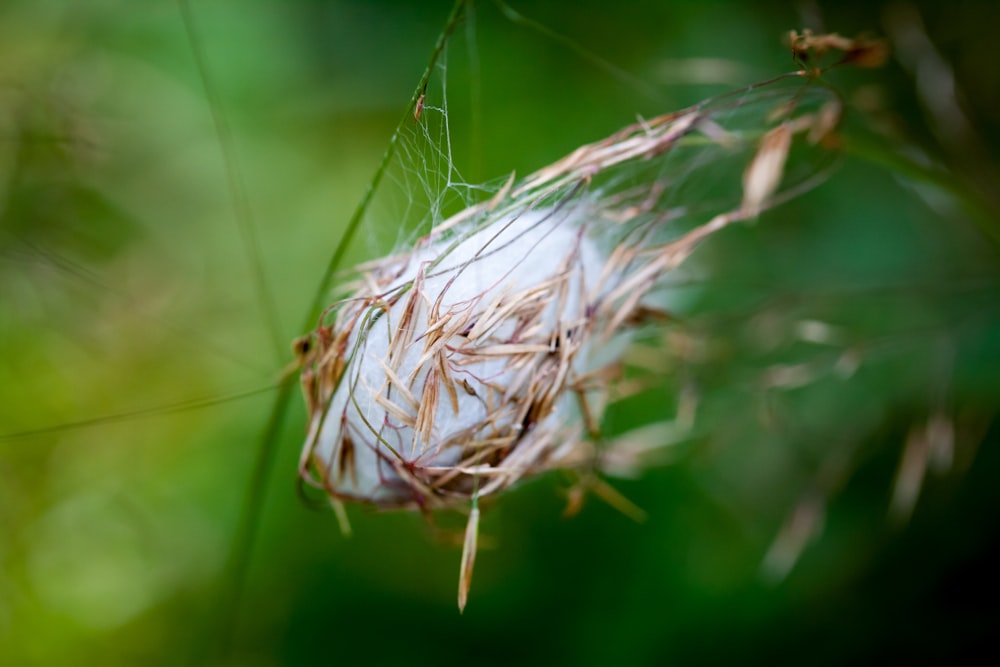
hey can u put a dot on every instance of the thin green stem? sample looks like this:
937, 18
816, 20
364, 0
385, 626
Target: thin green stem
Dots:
354, 223
635, 82
973, 204
249, 523
243, 544
159, 410
242, 210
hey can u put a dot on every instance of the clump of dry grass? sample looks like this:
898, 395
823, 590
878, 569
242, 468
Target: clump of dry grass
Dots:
490, 351
482, 355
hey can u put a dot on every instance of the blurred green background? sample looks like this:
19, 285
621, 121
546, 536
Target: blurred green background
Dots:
137, 358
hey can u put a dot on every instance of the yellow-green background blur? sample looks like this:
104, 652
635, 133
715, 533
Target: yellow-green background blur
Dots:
125, 288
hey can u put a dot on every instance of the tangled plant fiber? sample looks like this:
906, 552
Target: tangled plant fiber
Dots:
490, 351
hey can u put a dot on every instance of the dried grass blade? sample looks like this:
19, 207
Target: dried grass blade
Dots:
763, 176
468, 558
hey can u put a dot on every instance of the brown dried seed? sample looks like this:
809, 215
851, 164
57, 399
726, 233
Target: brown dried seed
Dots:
468, 558
762, 177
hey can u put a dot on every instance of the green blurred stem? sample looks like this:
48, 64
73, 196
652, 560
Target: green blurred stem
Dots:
971, 202
234, 584
236, 185
319, 299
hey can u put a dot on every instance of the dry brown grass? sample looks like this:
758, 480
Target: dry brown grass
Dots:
467, 323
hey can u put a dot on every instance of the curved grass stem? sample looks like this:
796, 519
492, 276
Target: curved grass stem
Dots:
241, 553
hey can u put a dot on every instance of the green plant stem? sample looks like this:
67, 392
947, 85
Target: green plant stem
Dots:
972, 204
233, 586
